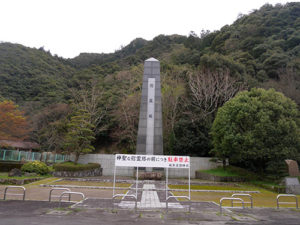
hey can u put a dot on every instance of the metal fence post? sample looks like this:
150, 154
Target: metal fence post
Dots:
4, 155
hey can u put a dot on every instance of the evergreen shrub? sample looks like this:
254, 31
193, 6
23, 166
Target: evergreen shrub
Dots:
6, 166
35, 167
70, 166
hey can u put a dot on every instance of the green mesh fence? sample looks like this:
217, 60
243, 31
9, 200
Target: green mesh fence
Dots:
14, 155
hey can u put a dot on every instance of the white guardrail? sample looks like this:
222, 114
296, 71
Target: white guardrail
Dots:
231, 199
70, 193
287, 196
57, 196
14, 187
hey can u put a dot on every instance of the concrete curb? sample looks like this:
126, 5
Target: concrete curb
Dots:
121, 188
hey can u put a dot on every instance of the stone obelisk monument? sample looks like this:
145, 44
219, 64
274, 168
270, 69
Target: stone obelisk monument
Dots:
150, 139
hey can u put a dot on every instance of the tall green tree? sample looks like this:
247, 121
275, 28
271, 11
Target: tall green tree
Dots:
50, 126
256, 129
80, 135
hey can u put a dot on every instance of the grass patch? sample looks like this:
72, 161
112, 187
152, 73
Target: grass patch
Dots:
269, 185
91, 183
5, 176
210, 187
249, 186
221, 172
265, 198
232, 171
262, 199
262, 182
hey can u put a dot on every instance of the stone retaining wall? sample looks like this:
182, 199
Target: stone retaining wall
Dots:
17, 181
84, 173
107, 162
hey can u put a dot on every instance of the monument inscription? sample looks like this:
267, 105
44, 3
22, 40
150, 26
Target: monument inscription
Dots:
150, 139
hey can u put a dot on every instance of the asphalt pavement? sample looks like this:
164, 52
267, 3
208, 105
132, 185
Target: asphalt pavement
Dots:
15, 212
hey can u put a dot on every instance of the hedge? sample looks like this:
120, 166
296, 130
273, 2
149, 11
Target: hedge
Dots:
69, 166
6, 166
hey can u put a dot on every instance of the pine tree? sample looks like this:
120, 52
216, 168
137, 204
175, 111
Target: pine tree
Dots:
80, 135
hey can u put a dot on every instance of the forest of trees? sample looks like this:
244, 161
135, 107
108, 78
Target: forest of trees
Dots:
199, 74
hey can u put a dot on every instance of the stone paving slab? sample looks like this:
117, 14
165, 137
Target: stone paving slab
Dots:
159, 188
150, 195
149, 199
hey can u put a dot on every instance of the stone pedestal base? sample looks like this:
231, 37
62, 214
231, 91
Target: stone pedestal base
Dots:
144, 175
83, 173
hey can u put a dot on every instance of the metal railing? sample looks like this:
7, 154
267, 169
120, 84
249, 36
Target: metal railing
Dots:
15, 155
231, 199
56, 189
14, 187
124, 195
287, 195
176, 197
246, 195
70, 193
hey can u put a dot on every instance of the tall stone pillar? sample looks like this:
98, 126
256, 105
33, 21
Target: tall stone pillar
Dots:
150, 138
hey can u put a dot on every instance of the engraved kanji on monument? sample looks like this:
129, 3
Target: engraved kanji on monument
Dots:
150, 138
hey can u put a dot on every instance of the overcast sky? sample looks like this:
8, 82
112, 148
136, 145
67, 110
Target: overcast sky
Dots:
69, 27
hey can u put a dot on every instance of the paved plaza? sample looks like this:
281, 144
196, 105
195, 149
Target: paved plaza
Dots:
149, 198
45, 213
99, 208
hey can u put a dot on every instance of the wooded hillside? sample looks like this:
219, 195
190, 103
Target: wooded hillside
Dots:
199, 74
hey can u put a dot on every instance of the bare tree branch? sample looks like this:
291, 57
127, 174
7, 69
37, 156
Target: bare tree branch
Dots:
210, 90
89, 98
173, 92
127, 115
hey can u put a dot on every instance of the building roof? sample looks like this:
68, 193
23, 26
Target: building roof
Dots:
19, 144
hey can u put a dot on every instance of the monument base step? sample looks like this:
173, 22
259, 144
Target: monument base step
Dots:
154, 175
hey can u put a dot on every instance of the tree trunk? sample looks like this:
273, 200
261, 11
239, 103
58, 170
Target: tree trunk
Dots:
77, 157
224, 163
